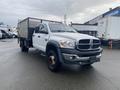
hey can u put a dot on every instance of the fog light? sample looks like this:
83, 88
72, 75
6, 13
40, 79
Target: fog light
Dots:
72, 57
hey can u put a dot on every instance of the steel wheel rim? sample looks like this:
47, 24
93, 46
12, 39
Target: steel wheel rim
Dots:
52, 60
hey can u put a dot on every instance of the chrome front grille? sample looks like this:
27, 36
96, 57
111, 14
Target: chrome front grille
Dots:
88, 44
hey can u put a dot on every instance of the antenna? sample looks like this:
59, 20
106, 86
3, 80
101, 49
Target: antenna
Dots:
65, 19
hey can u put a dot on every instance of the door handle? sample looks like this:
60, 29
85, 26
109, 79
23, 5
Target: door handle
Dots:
46, 39
38, 36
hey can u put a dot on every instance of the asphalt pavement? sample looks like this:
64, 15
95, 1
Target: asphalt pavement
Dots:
28, 71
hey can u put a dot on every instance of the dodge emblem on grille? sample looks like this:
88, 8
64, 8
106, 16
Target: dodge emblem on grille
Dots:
91, 43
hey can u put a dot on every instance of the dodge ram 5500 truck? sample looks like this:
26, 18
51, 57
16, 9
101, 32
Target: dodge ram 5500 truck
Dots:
59, 42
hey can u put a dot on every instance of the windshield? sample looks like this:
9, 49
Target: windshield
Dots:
60, 28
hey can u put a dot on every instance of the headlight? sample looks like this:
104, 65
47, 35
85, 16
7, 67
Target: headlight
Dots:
67, 44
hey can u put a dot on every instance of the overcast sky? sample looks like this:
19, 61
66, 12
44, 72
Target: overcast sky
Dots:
78, 11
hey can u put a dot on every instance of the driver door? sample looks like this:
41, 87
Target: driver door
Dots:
36, 37
42, 37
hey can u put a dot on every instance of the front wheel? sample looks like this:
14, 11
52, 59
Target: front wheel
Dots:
53, 61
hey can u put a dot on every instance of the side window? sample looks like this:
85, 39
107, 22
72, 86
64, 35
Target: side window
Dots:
37, 29
43, 29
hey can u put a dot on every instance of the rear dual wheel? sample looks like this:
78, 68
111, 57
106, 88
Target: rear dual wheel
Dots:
23, 47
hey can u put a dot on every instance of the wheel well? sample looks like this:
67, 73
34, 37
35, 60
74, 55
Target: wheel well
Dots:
51, 47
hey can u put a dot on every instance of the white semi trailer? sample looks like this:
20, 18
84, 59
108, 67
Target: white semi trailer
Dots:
109, 29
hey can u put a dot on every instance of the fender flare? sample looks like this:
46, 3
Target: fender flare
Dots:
57, 47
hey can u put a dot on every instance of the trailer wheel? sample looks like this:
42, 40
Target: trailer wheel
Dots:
53, 61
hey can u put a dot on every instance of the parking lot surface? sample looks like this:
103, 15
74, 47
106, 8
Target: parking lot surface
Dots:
28, 71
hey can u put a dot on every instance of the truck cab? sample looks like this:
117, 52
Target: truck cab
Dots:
66, 39
62, 44
41, 36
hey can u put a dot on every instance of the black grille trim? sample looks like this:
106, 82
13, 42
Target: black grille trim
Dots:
85, 41
87, 44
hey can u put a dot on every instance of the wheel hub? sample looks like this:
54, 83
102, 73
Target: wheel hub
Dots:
52, 60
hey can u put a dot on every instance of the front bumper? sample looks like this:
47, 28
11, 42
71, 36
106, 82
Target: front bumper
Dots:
71, 56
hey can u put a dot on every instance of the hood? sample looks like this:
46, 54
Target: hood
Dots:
74, 36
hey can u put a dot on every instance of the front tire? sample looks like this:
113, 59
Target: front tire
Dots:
53, 61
